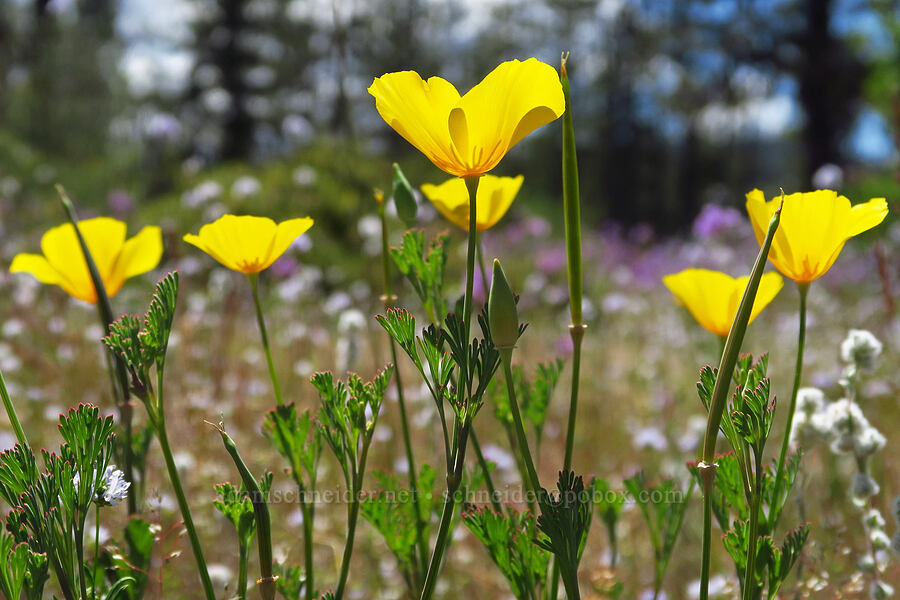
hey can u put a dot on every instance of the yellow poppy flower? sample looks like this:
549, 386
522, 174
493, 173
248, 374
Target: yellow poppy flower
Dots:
468, 135
713, 297
814, 227
495, 196
248, 244
62, 262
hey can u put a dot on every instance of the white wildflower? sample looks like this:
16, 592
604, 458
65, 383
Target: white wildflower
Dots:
860, 348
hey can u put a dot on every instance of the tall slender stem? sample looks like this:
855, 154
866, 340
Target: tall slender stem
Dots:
11, 413
488, 482
572, 215
532, 482
389, 299
352, 517
706, 540
163, 437
261, 321
79, 556
308, 515
750, 569
484, 278
454, 471
243, 567
803, 288
454, 479
96, 546
118, 372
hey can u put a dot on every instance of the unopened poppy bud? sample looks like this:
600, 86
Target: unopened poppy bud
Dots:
502, 311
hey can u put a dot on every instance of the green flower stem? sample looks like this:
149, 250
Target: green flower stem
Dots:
488, 482
454, 480
96, 544
261, 321
721, 390
389, 299
118, 372
79, 556
158, 417
532, 482
706, 541
11, 413
803, 288
484, 278
750, 570
266, 582
572, 214
243, 565
308, 510
472, 186
454, 470
352, 518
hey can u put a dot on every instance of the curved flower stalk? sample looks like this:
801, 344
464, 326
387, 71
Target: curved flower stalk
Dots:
843, 426
712, 297
466, 136
495, 196
815, 227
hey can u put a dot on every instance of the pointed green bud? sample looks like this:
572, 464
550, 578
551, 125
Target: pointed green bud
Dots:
404, 199
502, 312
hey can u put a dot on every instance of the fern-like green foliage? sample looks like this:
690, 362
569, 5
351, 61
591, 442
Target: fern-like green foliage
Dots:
564, 523
744, 478
663, 507
509, 540
298, 440
142, 344
424, 266
21, 569
348, 414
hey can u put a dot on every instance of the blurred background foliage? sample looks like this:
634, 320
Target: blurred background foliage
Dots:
678, 102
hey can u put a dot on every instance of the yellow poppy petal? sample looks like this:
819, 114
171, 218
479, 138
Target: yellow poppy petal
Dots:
510, 102
769, 286
139, 255
814, 227
246, 243
469, 135
36, 265
418, 110
285, 234
451, 198
707, 296
104, 237
867, 215
495, 196
713, 298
